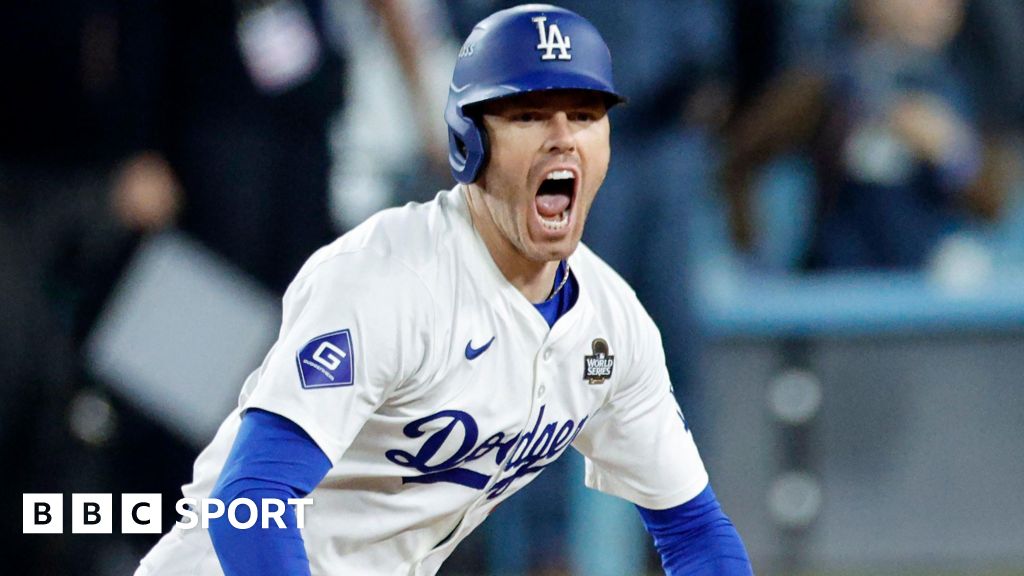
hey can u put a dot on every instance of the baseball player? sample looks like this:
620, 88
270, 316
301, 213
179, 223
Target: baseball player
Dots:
437, 358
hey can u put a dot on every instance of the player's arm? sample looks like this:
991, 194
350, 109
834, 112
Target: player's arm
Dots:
272, 458
352, 330
639, 447
697, 538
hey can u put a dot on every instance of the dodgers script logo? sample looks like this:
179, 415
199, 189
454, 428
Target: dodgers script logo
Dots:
326, 361
551, 40
522, 454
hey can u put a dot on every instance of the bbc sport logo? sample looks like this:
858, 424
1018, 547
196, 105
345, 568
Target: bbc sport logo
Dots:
141, 513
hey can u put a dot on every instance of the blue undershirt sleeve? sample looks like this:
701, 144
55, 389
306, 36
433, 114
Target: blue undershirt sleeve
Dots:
272, 458
697, 539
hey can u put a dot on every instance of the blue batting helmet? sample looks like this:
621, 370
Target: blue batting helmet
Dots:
523, 49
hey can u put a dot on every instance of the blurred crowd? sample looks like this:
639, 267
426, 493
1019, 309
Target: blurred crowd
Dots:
265, 128
901, 120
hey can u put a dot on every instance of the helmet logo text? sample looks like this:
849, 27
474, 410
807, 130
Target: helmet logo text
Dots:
552, 40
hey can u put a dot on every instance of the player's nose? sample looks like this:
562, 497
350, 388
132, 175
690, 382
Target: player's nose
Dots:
560, 136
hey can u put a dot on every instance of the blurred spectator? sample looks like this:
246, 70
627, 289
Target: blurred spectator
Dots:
892, 135
280, 135
120, 117
250, 143
990, 50
81, 176
123, 118
389, 143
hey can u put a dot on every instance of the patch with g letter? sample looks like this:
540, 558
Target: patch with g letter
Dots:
326, 361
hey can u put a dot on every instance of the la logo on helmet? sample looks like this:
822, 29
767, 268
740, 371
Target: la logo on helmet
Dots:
552, 40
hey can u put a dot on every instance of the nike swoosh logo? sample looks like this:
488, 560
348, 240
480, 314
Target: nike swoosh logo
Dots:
472, 353
458, 89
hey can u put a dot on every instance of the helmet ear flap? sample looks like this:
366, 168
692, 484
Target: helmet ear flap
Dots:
467, 146
485, 148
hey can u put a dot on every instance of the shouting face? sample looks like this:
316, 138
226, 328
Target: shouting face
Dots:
549, 154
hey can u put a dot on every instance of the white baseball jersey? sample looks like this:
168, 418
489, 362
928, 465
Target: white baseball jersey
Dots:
437, 390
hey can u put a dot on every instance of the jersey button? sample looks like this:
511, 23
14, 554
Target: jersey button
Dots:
547, 354
541, 390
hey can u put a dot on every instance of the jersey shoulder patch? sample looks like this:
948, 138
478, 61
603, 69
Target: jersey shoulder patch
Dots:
326, 361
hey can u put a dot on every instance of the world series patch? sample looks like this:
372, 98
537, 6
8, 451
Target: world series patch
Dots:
597, 367
326, 361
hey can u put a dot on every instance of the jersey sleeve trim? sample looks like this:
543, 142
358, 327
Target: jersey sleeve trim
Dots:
333, 449
609, 485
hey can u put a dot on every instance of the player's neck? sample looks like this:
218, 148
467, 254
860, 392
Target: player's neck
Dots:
533, 279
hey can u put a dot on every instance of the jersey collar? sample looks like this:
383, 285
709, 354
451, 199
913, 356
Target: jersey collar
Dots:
495, 282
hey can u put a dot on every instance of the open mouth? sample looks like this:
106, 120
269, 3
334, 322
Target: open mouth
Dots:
554, 199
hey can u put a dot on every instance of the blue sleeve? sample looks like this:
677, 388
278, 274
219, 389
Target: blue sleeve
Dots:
697, 539
272, 458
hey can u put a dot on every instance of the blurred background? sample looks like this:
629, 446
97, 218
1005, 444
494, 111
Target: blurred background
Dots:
820, 202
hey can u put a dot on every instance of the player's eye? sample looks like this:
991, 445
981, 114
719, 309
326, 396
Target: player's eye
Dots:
584, 115
525, 116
